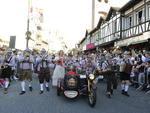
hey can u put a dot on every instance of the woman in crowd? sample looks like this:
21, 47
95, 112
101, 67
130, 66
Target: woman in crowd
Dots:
59, 70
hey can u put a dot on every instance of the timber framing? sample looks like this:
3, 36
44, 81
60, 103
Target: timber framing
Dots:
130, 21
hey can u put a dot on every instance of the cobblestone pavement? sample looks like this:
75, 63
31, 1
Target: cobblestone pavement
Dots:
48, 102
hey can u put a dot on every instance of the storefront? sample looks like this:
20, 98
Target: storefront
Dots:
137, 42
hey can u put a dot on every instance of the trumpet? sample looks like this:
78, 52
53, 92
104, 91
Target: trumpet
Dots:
26, 54
4, 65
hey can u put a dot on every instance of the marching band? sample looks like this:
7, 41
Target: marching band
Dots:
132, 69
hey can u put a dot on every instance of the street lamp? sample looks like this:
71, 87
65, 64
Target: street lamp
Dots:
93, 13
28, 37
28, 33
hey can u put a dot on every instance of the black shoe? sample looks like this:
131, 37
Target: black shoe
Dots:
41, 92
30, 88
148, 91
122, 92
136, 85
126, 94
111, 91
47, 88
108, 95
22, 92
5, 91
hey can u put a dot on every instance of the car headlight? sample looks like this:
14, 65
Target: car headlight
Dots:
91, 76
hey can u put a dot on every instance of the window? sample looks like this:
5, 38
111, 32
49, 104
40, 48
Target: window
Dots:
126, 24
118, 24
148, 10
115, 26
130, 21
139, 17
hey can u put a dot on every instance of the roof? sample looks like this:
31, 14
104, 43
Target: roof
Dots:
111, 10
97, 27
100, 22
129, 4
86, 33
93, 30
82, 40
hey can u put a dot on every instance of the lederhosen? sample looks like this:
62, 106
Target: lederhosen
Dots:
26, 73
7, 70
44, 72
148, 75
127, 71
110, 77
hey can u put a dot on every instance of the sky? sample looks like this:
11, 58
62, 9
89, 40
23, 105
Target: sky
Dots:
70, 17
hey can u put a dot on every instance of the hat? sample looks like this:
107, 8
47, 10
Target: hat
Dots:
105, 52
27, 50
108, 55
9, 50
43, 50
126, 53
132, 59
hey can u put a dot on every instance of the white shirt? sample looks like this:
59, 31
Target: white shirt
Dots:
45, 63
12, 62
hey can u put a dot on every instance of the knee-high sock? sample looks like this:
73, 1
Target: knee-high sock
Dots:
47, 84
6, 83
126, 87
30, 84
122, 86
41, 87
23, 85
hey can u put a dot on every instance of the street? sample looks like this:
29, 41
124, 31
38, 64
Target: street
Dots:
49, 102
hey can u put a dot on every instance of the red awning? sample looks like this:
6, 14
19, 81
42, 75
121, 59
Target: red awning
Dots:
90, 46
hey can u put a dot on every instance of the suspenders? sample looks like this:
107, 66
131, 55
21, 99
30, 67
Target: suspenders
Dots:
26, 61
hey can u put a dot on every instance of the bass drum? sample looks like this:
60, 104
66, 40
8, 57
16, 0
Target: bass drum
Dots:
6, 72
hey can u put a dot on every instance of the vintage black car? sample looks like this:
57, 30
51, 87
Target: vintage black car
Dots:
76, 84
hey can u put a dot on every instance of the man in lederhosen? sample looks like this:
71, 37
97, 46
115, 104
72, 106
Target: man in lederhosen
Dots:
43, 70
7, 67
109, 74
125, 71
26, 69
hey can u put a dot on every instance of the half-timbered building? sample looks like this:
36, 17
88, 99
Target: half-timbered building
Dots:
128, 26
135, 23
110, 28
